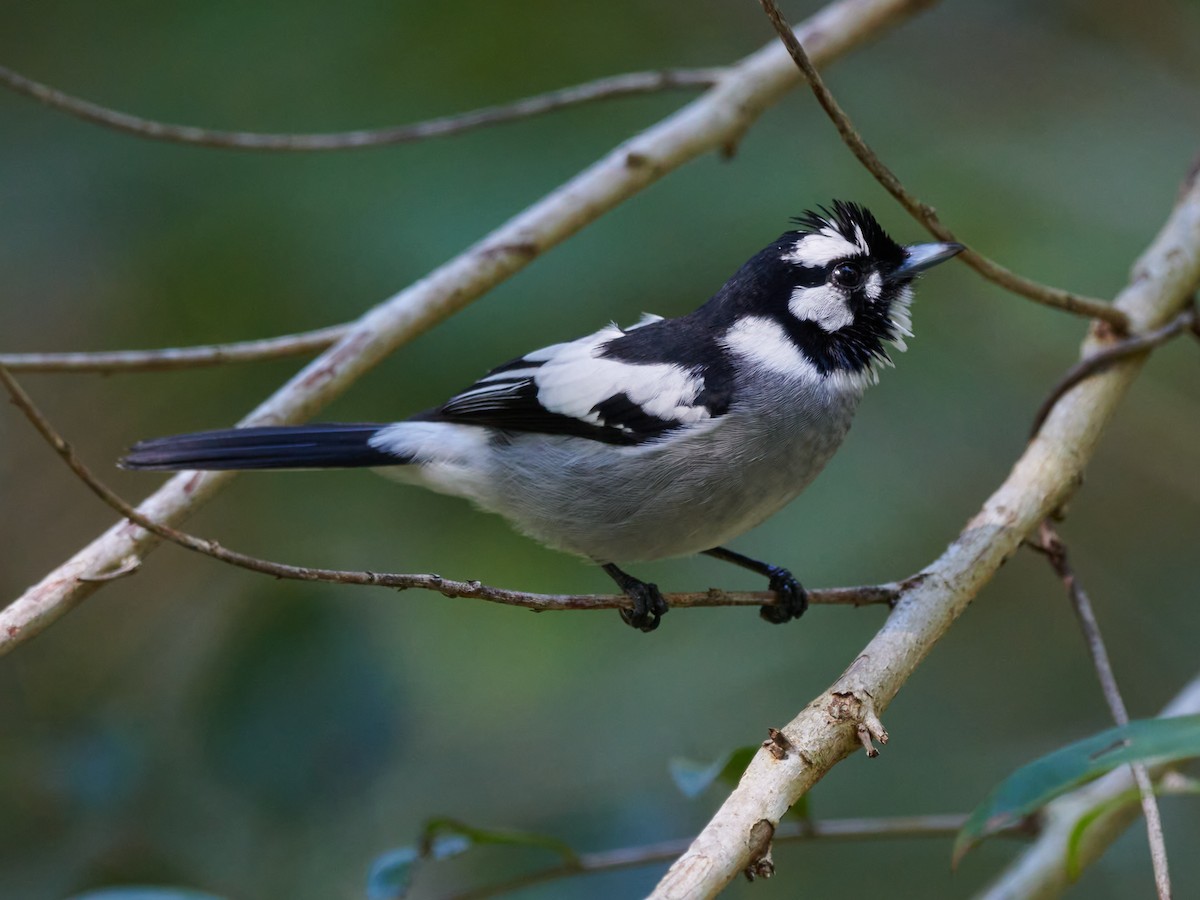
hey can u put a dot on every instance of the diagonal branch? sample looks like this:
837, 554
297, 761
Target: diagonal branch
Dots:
715, 121
601, 89
923, 212
860, 596
832, 726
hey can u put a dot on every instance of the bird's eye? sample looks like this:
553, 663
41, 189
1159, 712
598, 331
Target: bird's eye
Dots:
847, 275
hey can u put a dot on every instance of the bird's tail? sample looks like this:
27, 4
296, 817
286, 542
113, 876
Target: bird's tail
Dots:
284, 447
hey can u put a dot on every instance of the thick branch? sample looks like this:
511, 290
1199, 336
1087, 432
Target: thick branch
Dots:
715, 121
1041, 871
601, 89
828, 729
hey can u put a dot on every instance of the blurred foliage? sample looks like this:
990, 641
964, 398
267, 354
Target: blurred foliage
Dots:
1152, 742
202, 726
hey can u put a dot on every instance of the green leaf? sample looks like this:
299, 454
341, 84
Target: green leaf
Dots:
1031, 787
437, 829
392, 873
144, 892
694, 778
1075, 839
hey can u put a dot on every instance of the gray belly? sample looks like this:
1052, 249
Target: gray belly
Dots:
630, 504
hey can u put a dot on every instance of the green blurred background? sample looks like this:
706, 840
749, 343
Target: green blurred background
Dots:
200, 725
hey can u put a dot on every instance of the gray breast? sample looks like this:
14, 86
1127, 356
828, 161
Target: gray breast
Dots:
679, 496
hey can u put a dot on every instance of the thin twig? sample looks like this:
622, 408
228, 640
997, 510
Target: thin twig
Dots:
600, 89
1056, 552
106, 362
923, 212
932, 826
861, 596
1102, 359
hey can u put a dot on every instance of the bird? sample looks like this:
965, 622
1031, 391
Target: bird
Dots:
667, 438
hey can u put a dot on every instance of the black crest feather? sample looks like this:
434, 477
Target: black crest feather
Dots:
845, 217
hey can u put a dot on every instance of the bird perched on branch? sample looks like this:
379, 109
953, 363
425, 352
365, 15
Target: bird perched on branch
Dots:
664, 439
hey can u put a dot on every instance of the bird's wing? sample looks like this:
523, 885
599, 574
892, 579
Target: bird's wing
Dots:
585, 388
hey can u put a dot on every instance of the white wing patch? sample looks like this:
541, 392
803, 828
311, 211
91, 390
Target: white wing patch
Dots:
824, 305
576, 379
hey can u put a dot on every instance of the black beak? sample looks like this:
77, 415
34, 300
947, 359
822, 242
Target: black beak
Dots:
925, 256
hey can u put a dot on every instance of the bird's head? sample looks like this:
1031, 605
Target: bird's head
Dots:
838, 285
846, 271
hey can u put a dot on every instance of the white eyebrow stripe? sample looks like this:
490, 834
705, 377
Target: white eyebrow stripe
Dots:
820, 249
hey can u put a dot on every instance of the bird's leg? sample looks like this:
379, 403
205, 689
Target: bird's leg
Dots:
793, 599
648, 602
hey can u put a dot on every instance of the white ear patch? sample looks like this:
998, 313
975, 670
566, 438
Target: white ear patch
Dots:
824, 305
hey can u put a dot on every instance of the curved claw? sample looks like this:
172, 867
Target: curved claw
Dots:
648, 602
648, 605
793, 599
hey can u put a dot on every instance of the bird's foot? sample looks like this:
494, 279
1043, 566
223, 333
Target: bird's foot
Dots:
648, 603
648, 607
793, 599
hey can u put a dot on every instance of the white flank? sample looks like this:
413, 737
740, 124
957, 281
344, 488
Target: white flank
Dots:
763, 341
428, 442
449, 458
824, 305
